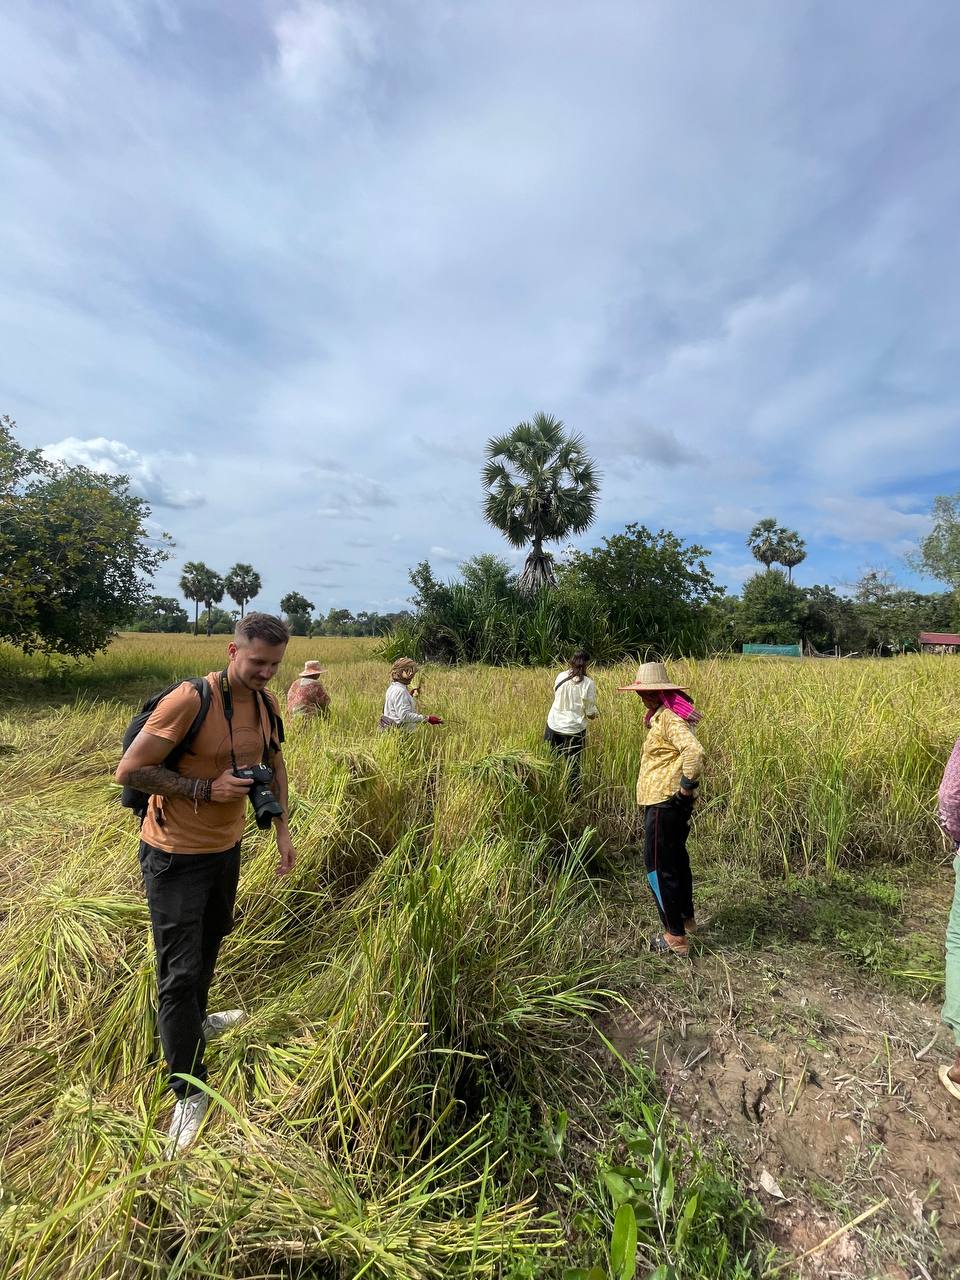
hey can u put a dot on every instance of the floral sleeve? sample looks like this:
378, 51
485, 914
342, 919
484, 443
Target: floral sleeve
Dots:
950, 796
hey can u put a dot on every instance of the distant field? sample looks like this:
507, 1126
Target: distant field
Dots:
433, 955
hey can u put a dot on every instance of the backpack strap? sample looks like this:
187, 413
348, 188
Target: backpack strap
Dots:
276, 724
202, 687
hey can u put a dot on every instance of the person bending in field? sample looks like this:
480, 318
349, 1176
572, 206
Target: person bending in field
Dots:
574, 703
190, 842
950, 818
670, 767
307, 696
399, 710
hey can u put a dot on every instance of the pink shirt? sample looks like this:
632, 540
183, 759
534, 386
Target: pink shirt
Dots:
306, 697
950, 796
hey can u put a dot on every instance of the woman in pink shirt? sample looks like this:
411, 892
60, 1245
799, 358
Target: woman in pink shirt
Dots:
307, 696
950, 820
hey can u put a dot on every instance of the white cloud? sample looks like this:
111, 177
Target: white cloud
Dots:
348, 495
871, 520
320, 45
157, 477
444, 553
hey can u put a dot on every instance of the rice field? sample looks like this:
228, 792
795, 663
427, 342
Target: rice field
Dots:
441, 947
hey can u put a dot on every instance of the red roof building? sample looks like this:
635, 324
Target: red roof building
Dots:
939, 642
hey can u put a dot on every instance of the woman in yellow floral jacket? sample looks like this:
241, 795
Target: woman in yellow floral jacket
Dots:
670, 767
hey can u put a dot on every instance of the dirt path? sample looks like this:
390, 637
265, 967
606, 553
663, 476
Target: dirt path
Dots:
813, 1080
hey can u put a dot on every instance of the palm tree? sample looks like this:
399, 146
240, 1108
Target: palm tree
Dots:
793, 550
298, 610
241, 584
191, 585
766, 541
541, 486
212, 594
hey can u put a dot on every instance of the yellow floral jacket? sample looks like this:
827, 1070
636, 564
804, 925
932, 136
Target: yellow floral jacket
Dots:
671, 754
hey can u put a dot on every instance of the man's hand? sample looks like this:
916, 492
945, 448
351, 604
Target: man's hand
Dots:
229, 787
434, 720
288, 855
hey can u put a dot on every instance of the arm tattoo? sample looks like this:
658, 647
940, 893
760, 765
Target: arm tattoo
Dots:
157, 780
279, 785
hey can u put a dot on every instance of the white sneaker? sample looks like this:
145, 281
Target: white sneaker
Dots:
215, 1024
187, 1118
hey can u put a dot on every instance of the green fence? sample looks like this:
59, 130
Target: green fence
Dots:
777, 650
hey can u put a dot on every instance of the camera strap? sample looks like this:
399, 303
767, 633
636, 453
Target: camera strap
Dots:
227, 695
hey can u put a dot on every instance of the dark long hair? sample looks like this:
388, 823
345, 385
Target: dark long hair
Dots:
578, 665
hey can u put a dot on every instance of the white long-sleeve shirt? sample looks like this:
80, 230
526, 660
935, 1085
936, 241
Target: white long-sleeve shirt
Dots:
398, 706
574, 703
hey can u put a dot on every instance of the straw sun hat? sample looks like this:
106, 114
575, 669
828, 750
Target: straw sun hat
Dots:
651, 677
311, 668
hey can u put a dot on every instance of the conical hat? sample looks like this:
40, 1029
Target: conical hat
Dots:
651, 677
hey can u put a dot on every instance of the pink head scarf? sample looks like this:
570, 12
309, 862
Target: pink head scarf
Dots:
680, 705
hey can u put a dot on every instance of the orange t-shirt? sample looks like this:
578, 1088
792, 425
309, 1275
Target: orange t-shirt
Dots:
208, 827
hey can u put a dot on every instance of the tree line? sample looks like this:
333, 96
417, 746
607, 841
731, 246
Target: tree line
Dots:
77, 558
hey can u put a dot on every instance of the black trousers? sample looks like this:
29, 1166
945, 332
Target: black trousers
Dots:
569, 747
191, 898
666, 827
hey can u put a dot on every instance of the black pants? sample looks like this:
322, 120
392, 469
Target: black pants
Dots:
666, 827
569, 747
191, 899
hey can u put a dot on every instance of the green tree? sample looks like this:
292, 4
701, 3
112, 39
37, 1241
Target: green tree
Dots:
541, 486
892, 617
653, 587
765, 542
488, 574
298, 610
938, 555
209, 586
241, 584
219, 622
771, 609
75, 555
793, 551
191, 586
162, 613
831, 619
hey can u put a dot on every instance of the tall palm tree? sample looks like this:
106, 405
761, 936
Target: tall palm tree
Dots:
212, 592
241, 584
541, 486
191, 586
793, 550
765, 541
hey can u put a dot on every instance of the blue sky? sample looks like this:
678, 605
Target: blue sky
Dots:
289, 264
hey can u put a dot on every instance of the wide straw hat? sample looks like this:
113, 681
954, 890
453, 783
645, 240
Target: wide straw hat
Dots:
651, 677
312, 668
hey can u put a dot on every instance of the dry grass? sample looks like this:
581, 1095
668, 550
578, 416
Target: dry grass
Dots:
439, 934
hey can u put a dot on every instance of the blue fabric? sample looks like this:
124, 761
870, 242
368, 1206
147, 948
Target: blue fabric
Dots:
655, 886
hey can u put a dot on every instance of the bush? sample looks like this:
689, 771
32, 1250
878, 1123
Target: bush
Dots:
639, 593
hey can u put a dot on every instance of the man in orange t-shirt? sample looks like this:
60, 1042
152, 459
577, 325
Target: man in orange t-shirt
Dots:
190, 841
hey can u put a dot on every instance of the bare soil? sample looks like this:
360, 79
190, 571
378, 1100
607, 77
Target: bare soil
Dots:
826, 1090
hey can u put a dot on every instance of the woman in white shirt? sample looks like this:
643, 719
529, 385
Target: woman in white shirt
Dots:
399, 711
574, 703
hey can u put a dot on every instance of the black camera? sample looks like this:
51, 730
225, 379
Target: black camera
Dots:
266, 806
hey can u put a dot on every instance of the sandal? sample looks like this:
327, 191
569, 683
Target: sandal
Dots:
661, 947
951, 1086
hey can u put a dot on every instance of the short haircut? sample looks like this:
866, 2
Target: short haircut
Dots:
261, 626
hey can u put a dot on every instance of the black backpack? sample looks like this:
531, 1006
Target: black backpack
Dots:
130, 797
